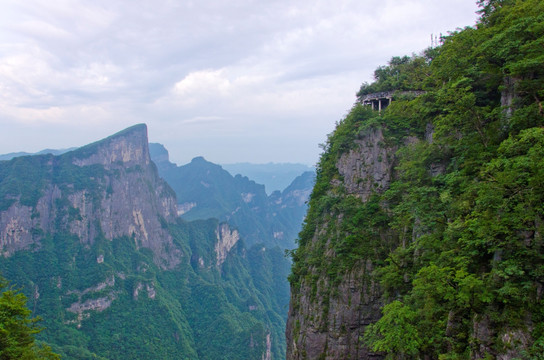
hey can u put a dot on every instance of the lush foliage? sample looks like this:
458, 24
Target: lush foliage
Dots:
196, 311
18, 328
401, 74
457, 237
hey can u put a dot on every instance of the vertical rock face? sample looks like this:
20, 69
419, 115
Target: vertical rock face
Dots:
368, 167
327, 317
109, 188
22, 225
323, 327
124, 149
508, 94
267, 355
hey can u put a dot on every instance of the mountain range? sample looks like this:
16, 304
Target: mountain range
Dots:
274, 176
94, 239
205, 190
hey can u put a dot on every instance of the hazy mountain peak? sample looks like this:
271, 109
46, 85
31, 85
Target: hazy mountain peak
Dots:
128, 147
158, 153
199, 159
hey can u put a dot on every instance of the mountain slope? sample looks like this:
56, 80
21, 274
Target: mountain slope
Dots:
108, 188
94, 239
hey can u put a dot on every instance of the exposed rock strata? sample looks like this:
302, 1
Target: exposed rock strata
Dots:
331, 327
83, 308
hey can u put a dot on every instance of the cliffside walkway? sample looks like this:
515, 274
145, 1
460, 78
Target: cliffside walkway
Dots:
381, 100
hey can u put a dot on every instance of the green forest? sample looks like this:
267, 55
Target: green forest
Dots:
18, 328
194, 311
457, 236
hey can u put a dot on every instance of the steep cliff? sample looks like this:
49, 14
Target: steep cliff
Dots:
126, 197
93, 238
423, 234
335, 295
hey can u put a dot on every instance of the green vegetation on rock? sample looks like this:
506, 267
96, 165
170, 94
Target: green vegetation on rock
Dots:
455, 238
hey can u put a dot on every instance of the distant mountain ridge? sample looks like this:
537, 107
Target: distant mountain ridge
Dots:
274, 176
205, 190
12, 155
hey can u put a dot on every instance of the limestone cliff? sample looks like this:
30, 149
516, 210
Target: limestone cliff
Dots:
109, 188
226, 239
367, 167
327, 316
335, 292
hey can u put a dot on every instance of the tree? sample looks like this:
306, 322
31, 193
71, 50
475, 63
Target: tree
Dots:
17, 328
395, 332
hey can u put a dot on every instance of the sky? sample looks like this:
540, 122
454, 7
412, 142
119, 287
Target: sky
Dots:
234, 81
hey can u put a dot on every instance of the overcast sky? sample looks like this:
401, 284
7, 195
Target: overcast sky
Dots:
233, 81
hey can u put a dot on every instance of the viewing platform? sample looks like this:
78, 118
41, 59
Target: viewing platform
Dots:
380, 100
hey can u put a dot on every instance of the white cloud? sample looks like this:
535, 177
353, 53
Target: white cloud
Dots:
206, 75
203, 84
42, 29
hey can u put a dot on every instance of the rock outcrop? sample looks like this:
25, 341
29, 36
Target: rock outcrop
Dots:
322, 326
367, 168
226, 239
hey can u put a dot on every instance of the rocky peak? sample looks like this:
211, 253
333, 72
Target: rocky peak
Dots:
125, 148
159, 154
121, 195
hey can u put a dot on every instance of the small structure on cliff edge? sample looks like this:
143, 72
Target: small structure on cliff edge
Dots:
380, 100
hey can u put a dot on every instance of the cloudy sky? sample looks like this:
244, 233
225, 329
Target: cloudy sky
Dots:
233, 81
